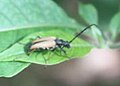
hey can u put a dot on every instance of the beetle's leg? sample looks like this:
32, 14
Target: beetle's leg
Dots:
51, 52
49, 55
62, 50
45, 60
29, 53
31, 39
38, 37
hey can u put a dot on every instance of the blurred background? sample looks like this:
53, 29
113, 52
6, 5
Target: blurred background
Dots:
106, 9
99, 68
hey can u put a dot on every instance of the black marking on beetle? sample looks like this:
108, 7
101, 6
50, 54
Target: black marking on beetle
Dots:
50, 43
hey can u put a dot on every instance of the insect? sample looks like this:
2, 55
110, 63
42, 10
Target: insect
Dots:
50, 43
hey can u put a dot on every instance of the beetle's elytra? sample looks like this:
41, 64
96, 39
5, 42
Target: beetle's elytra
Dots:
50, 43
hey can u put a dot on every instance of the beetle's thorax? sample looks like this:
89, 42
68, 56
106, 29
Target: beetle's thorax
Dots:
63, 43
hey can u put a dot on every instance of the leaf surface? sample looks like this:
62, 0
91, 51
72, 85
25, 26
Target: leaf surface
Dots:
88, 13
9, 69
115, 26
19, 18
79, 48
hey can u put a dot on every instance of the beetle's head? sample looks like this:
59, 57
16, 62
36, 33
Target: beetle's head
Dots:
66, 44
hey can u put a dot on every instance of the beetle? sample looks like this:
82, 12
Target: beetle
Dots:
50, 43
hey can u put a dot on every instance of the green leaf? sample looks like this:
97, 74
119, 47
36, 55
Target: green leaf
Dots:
115, 26
98, 36
79, 48
19, 18
9, 69
88, 13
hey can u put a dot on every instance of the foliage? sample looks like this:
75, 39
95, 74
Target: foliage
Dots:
31, 18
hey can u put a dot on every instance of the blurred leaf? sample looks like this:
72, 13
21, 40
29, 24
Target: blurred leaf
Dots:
88, 13
115, 26
19, 18
9, 69
97, 34
115, 45
79, 48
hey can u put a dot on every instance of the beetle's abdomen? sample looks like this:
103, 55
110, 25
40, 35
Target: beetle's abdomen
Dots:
43, 45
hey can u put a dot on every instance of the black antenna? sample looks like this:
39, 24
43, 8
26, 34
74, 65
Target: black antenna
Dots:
82, 32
